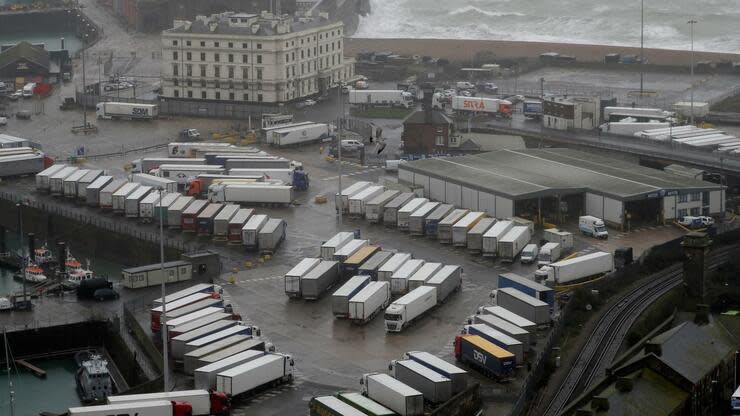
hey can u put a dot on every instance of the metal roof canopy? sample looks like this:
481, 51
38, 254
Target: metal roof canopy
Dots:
524, 174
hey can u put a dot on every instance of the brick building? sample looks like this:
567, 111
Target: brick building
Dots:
428, 132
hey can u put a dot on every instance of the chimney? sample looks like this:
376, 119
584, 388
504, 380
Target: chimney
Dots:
32, 247
62, 41
61, 256
702, 314
428, 90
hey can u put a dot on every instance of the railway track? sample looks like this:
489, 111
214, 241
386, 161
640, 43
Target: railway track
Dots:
604, 343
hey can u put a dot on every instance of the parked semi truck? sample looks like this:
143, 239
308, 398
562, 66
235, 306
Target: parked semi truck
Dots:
246, 194
134, 111
340, 298
530, 287
484, 355
571, 270
372, 299
390, 211
444, 228
374, 208
294, 276
148, 408
271, 368
513, 242
205, 377
203, 402
523, 305
410, 307
389, 98
397, 396
492, 106
493, 235
435, 387
549, 253
457, 376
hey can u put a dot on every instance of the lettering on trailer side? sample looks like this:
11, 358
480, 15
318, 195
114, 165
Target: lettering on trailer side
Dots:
140, 111
474, 104
480, 357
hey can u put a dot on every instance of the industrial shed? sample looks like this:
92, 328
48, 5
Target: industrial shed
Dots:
561, 184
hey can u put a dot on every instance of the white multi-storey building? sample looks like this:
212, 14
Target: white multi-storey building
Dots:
253, 58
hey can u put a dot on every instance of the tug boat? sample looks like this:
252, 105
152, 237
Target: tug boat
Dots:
94, 383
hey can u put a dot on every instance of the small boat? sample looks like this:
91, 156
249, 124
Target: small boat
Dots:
43, 256
77, 274
32, 274
94, 383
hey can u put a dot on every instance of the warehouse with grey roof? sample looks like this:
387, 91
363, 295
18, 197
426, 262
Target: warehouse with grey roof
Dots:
557, 184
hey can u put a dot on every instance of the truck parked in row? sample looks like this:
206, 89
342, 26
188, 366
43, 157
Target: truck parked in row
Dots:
513, 242
485, 356
202, 402
132, 111
269, 369
577, 268
523, 305
372, 299
397, 396
435, 387
410, 307
388, 98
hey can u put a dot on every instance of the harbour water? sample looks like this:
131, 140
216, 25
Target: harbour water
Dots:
55, 393
51, 39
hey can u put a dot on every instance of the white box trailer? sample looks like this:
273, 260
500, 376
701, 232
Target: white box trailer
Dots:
684, 108
106, 194
192, 359
409, 307
260, 162
155, 182
271, 235
372, 299
266, 131
200, 400
133, 200
461, 228
151, 274
42, 178
319, 279
221, 222
404, 213
444, 228
21, 165
458, 376
481, 105
189, 149
423, 274
417, 219
148, 408
147, 164
510, 317
255, 193
205, 377
297, 135
245, 345
250, 231
504, 326
358, 201
512, 243
577, 268
390, 211
146, 206
374, 208
340, 298
447, 280
56, 181
549, 253
118, 199
175, 210
475, 235
493, 235
342, 201
373, 264
294, 275
69, 184
435, 387
564, 238
92, 192
183, 306
183, 173
207, 319
177, 346
237, 328
87, 180
285, 175
499, 338
134, 111
330, 405
389, 98
393, 394
347, 250
335, 243
236, 223
196, 288
389, 267
270, 368
524, 305
431, 222
400, 278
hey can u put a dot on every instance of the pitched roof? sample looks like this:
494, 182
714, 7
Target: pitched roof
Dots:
421, 117
24, 50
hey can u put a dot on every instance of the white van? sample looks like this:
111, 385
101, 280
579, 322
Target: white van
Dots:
28, 89
592, 226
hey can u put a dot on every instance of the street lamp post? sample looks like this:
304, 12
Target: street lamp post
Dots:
163, 320
340, 105
692, 22
642, 44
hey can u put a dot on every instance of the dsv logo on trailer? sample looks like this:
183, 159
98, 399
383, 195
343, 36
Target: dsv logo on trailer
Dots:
480, 357
139, 111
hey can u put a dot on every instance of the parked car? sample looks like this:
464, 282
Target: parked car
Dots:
105, 294
23, 115
118, 86
16, 95
309, 103
352, 145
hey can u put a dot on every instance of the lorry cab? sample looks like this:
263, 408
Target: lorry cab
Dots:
529, 253
592, 226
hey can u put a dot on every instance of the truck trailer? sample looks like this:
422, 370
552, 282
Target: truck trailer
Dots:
497, 337
250, 231
409, 307
444, 228
133, 201
512, 243
91, 176
118, 199
203, 402
271, 368
349, 249
271, 235
457, 376
176, 210
400, 278
297, 135
435, 387
92, 192
385, 272
491, 106
205, 377
192, 359
385, 98
493, 235
340, 298
461, 228
221, 222
42, 178
423, 275
390, 211
404, 213
417, 219
341, 200
370, 300
485, 356
447, 280
69, 184
353, 262
504, 326
132, 111
56, 181
524, 305
358, 201
294, 276
335, 243
475, 235
549, 253
373, 264
364, 404
431, 223
319, 279
255, 193
147, 164
510, 317
527, 286
236, 223
374, 208
331, 406
147, 408
577, 268
397, 396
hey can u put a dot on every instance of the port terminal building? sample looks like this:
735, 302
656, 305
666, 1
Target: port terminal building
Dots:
558, 185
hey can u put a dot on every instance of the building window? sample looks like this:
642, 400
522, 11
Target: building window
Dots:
202, 44
303, 68
314, 50
231, 45
682, 212
292, 69
215, 44
217, 57
202, 56
189, 82
321, 48
189, 70
217, 84
440, 140
202, 83
218, 95
245, 85
287, 57
203, 95
174, 55
231, 72
292, 56
217, 71
259, 73
696, 196
259, 46
231, 96
187, 43
683, 198
231, 57
259, 98
286, 44
245, 73
244, 59
302, 54
695, 211
177, 93
189, 56
202, 70
175, 71
245, 97
190, 94
174, 43
308, 52
301, 41
176, 82
244, 46
287, 72
259, 59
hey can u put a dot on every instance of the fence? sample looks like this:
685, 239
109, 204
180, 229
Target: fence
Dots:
139, 334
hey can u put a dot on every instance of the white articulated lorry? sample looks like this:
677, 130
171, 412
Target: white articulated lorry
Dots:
512, 243
369, 301
134, 111
268, 369
389, 98
393, 394
252, 193
571, 270
409, 307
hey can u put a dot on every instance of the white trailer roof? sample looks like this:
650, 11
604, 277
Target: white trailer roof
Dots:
413, 205
510, 316
425, 209
349, 248
522, 296
527, 282
408, 269
397, 386
184, 301
200, 287
496, 322
385, 197
351, 285
368, 291
423, 371
581, 258
436, 362
468, 219
366, 193
168, 395
442, 274
355, 188
495, 334
238, 357
232, 330
415, 294
454, 216
395, 262
256, 363
426, 271
338, 406
338, 239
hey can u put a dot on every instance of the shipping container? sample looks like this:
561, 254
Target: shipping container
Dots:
358, 201
395, 395
371, 266
197, 288
431, 224
294, 276
69, 184
447, 280
347, 250
118, 199
205, 376
409, 307
510, 317
372, 299
444, 228
389, 267
404, 213
365, 405
530, 287
484, 355
255, 344
271, 235
390, 211
400, 278
417, 219
458, 376
493, 235
335, 243
91, 176
504, 326
43, 177
460, 229
151, 275
331, 406
565, 238
435, 387
156, 312
340, 298
499, 338
236, 223
523, 305
234, 328
512, 243
133, 200
423, 274
374, 208
250, 231
191, 360
269, 369
206, 218
353, 262
319, 279
177, 345
475, 235
56, 181
154, 181
92, 192
177, 208
342, 201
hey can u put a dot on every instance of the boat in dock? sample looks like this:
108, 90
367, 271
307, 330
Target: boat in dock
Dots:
43, 256
74, 270
93, 379
32, 273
